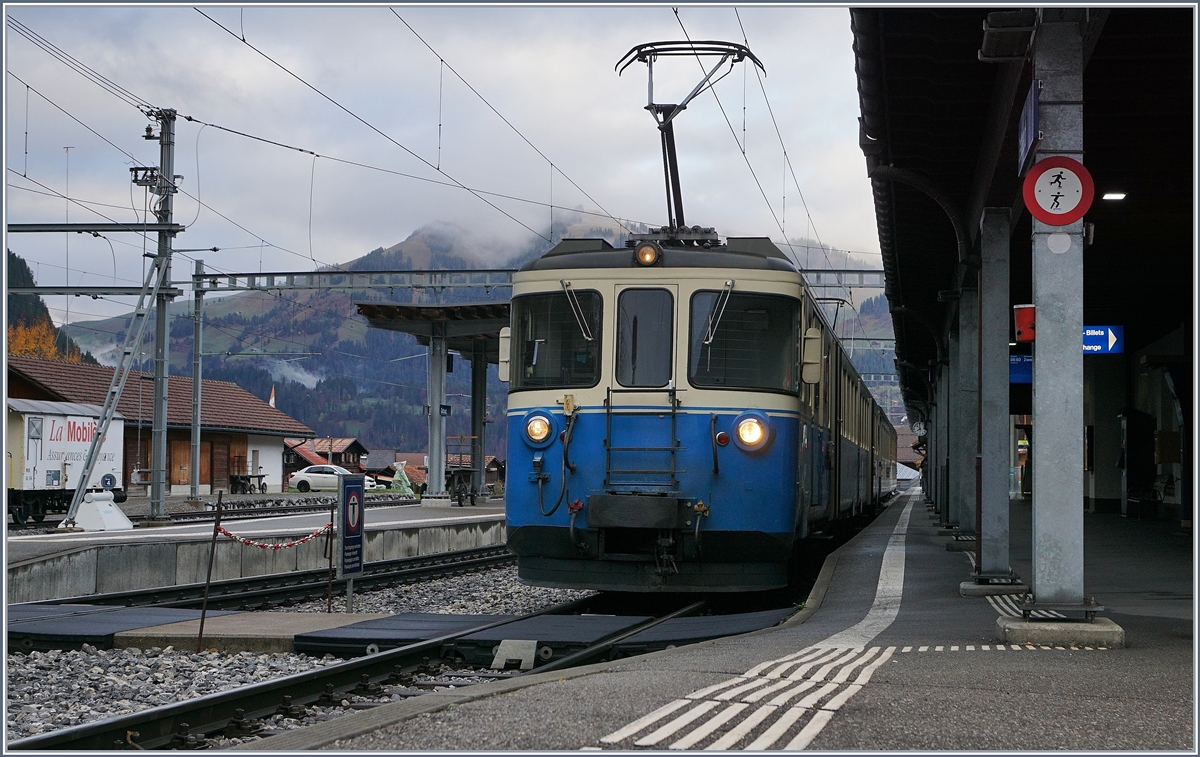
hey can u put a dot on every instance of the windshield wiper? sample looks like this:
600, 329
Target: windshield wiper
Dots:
714, 317
577, 309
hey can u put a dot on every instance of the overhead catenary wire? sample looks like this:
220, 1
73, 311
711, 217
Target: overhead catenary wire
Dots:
68, 115
786, 158
390, 171
502, 118
116, 89
376, 129
147, 109
733, 131
141, 104
792, 171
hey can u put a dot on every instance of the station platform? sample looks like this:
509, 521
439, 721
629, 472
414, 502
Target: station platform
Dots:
887, 655
68, 565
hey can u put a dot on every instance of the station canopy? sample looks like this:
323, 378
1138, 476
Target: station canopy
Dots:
931, 107
464, 325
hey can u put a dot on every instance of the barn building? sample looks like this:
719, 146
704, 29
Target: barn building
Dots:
239, 433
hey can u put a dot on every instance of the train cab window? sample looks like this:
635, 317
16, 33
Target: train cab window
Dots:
550, 348
645, 332
744, 341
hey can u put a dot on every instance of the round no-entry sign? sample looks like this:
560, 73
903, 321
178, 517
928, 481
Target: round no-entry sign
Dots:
1058, 190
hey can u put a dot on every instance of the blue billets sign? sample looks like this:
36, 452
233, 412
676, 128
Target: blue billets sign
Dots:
350, 525
1103, 340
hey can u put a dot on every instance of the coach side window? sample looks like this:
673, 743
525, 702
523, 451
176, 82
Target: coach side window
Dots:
645, 330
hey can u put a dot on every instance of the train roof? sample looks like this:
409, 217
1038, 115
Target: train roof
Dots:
756, 253
58, 408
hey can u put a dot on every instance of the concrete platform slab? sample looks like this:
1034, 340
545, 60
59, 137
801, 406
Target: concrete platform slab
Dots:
387, 632
972, 589
960, 546
1101, 632
89, 624
262, 632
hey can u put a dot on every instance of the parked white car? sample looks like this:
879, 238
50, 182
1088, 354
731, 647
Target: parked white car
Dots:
322, 478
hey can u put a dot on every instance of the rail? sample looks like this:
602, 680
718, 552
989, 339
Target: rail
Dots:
157, 728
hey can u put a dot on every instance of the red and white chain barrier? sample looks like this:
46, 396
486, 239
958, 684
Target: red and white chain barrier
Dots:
283, 545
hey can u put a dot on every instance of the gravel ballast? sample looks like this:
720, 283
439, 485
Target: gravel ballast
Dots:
58, 689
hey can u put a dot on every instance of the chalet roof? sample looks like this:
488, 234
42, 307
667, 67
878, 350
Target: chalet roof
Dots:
322, 444
224, 406
378, 459
416, 474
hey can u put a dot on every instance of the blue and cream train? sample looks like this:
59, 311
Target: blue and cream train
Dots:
680, 416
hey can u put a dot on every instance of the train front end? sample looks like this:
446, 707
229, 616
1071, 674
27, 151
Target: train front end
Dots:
653, 416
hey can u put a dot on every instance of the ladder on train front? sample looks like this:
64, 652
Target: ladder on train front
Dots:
642, 477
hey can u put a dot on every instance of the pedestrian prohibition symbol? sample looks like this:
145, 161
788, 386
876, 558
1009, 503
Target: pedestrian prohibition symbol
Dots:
1058, 190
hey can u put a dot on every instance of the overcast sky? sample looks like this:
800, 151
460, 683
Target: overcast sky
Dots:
549, 71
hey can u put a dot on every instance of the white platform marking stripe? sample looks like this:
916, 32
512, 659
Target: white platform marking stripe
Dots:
824, 656
644, 721
731, 693
675, 725
777, 729
715, 687
800, 688
835, 704
801, 656
868, 671
812, 699
846, 671
809, 731
704, 731
824, 671
887, 596
743, 728
757, 695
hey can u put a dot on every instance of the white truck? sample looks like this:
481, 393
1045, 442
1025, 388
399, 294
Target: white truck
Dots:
47, 447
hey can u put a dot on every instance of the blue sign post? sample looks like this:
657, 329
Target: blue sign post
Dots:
1103, 340
350, 532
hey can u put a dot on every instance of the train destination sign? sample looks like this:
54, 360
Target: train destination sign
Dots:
1058, 191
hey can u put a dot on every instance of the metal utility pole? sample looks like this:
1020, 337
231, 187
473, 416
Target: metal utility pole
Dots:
157, 288
165, 188
197, 330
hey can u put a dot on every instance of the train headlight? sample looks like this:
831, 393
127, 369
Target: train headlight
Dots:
752, 431
537, 428
647, 254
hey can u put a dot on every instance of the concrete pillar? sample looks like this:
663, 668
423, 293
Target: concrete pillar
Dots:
997, 440
478, 412
436, 395
1058, 352
956, 451
943, 432
965, 405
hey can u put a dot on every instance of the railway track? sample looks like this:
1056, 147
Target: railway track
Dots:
227, 513
234, 712
282, 589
